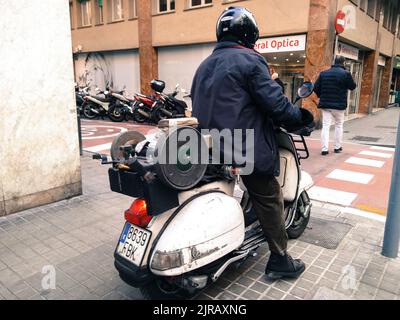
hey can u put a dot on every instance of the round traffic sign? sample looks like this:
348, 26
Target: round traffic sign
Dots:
340, 22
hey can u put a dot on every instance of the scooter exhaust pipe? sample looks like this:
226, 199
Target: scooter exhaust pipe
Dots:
144, 113
166, 112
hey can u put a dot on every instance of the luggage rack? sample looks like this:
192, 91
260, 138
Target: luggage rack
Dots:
301, 147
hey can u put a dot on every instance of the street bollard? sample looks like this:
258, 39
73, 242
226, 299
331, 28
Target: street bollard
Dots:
79, 133
391, 240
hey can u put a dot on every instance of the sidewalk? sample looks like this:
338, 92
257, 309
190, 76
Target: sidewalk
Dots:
77, 237
378, 129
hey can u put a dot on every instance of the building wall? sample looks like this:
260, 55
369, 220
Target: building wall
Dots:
366, 38
386, 42
40, 150
108, 36
275, 17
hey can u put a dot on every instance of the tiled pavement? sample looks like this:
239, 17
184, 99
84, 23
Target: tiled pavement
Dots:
77, 237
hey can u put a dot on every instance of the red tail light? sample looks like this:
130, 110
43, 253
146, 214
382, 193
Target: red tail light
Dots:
137, 214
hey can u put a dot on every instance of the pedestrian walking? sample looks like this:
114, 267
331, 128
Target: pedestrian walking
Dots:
275, 77
332, 88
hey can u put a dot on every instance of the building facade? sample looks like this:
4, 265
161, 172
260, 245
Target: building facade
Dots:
129, 42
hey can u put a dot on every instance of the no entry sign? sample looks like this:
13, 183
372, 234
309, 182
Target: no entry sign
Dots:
340, 22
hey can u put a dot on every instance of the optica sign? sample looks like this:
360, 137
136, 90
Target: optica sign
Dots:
282, 44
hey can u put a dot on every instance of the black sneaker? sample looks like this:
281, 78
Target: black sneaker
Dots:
279, 267
340, 150
324, 153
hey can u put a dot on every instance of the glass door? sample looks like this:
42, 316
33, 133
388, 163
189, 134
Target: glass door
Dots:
355, 69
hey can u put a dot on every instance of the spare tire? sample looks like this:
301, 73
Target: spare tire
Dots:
182, 158
125, 138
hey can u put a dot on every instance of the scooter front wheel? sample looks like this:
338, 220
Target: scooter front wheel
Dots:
88, 113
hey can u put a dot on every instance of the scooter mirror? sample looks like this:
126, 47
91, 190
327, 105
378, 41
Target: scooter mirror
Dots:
305, 90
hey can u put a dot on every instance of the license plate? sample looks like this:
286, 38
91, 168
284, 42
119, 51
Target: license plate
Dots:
133, 243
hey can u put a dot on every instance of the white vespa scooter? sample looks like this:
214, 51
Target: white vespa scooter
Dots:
186, 226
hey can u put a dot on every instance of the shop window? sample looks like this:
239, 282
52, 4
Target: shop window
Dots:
378, 10
116, 10
133, 13
99, 13
198, 3
371, 9
71, 15
85, 11
363, 5
386, 14
163, 6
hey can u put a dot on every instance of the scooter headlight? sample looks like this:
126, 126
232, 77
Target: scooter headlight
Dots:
163, 261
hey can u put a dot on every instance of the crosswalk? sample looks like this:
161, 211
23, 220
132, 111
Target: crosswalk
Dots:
360, 182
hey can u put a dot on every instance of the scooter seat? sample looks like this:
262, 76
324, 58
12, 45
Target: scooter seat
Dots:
101, 99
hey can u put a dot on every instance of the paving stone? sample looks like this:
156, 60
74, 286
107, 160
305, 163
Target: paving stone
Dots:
114, 295
259, 287
251, 295
275, 294
282, 285
26, 293
305, 284
237, 289
227, 296
244, 281
299, 292
384, 295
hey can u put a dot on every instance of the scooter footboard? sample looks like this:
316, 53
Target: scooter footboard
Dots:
204, 230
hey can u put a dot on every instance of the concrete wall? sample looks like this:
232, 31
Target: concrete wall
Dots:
39, 142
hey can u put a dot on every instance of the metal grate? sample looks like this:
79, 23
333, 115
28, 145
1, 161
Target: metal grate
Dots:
325, 233
366, 139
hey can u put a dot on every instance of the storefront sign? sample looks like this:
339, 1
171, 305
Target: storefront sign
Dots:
382, 61
282, 44
347, 51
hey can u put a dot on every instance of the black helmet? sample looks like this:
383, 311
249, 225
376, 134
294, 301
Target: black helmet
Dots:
238, 24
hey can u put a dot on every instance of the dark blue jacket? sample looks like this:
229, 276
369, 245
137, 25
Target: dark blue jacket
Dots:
232, 89
332, 88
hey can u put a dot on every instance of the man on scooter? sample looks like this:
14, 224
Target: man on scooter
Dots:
232, 89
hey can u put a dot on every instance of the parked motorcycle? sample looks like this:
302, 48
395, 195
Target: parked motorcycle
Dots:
120, 106
186, 228
110, 104
80, 93
159, 106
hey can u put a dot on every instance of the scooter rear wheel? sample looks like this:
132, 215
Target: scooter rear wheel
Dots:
301, 219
